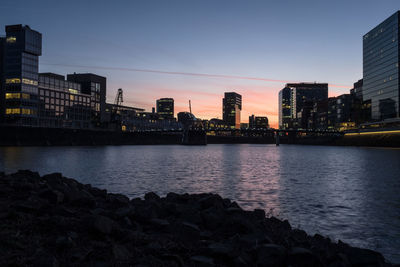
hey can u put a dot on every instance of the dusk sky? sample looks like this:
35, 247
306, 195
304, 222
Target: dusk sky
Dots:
284, 41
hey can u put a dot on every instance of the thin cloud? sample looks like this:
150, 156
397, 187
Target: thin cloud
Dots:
206, 75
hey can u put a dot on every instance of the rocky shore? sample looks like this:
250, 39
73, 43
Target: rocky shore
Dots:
56, 221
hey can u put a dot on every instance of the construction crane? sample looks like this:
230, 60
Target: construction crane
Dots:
119, 98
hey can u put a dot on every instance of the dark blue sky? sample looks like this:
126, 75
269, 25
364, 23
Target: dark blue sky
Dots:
285, 40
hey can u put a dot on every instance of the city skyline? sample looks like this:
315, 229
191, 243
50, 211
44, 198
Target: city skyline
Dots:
197, 48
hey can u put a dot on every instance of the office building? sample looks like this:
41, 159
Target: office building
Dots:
381, 69
95, 86
285, 113
231, 107
62, 103
165, 108
258, 122
296, 102
252, 120
19, 89
2, 95
306, 92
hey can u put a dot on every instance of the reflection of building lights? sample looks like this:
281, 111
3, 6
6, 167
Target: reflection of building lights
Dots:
377, 132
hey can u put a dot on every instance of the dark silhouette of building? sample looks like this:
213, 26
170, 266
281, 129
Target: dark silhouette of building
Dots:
258, 122
165, 108
252, 121
381, 68
285, 114
95, 86
319, 114
2, 94
296, 103
231, 107
306, 92
20, 51
303, 117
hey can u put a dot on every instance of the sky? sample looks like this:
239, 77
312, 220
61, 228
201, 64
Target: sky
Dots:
199, 49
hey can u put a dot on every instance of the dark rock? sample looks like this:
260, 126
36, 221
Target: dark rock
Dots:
53, 196
151, 196
202, 261
120, 252
302, 257
271, 255
45, 259
53, 220
124, 211
254, 239
103, 224
221, 249
118, 199
259, 214
159, 222
210, 201
364, 257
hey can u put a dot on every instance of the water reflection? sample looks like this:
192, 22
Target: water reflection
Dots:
347, 193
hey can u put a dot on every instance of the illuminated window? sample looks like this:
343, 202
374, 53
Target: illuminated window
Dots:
13, 80
13, 111
25, 96
29, 81
73, 91
11, 39
26, 111
13, 95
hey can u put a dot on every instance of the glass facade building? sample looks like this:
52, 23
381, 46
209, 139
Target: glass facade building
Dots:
381, 69
306, 92
95, 86
285, 114
62, 103
231, 107
165, 108
296, 101
21, 52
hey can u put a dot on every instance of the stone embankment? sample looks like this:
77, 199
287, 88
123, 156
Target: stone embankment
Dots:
57, 221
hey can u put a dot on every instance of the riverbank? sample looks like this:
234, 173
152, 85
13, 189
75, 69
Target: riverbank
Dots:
55, 221
37, 136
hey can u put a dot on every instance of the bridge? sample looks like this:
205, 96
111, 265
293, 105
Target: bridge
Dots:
193, 135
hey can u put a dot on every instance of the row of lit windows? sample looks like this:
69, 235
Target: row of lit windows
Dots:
17, 96
24, 111
65, 96
24, 81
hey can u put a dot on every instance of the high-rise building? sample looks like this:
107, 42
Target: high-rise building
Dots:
21, 52
285, 113
296, 101
165, 108
381, 68
231, 107
95, 86
2, 45
305, 92
252, 120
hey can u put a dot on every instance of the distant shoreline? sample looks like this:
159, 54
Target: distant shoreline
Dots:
29, 136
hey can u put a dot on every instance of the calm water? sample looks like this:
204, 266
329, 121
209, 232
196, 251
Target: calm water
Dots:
347, 193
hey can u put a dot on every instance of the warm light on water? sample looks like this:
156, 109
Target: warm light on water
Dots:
347, 193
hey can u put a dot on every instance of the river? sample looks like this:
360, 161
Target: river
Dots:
346, 193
